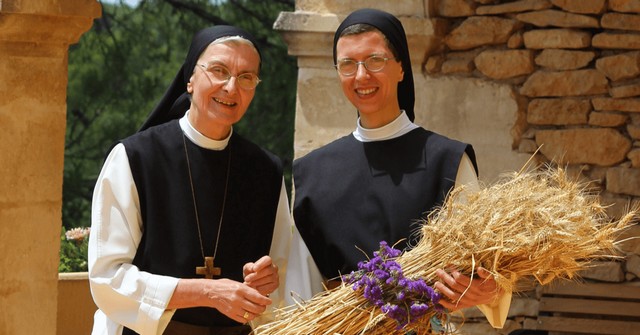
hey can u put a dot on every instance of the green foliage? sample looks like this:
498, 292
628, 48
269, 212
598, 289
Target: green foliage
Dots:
73, 254
122, 66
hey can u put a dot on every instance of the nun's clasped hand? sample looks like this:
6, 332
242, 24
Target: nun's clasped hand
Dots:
237, 301
262, 275
461, 291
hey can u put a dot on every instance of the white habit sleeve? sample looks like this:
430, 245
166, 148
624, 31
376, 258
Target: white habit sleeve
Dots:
280, 244
124, 295
303, 277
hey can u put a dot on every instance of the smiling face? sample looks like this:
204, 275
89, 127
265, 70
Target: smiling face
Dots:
374, 94
216, 105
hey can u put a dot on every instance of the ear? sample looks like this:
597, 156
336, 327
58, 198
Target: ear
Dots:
190, 85
401, 74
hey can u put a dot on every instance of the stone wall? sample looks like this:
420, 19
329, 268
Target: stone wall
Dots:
573, 66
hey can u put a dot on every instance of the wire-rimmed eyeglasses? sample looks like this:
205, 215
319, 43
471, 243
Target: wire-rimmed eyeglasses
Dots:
348, 67
247, 81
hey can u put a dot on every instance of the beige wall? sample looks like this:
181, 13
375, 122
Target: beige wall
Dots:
34, 38
476, 112
75, 304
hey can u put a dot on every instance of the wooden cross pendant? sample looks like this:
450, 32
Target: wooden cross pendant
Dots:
208, 270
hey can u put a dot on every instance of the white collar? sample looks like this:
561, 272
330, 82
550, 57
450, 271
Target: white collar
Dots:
199, 139
396, 128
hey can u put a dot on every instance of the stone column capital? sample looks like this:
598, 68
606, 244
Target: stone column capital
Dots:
52, 21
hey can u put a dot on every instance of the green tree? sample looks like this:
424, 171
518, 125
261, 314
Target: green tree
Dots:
122, 66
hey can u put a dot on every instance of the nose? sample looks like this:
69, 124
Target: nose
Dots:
231, 85
361, 71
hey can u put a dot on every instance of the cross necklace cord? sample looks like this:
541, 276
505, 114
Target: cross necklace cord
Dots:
208, 270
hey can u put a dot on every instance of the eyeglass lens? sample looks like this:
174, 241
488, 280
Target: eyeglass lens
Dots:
246, 80
373, 64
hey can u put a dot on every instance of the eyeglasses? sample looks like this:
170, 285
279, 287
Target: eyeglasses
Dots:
348, 67
247, 81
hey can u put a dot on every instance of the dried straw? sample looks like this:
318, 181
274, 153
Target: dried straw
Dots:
537, 224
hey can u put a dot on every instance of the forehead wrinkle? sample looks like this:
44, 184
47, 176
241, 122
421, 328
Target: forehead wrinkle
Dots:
224, 65
232, 56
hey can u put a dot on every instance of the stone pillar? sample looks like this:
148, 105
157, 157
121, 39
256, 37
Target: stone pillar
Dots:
34, 40
466, 109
